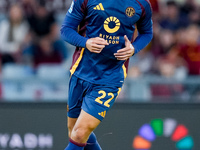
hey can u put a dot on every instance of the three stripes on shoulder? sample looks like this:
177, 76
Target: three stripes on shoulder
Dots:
99, 7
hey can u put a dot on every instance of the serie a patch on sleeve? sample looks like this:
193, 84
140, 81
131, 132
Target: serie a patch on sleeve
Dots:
71, 7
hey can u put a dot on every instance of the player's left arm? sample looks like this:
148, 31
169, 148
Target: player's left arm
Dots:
145, 35
145, 29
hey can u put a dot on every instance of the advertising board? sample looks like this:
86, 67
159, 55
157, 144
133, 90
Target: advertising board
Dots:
42, 126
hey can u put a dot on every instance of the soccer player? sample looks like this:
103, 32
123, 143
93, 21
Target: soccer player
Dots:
104, 43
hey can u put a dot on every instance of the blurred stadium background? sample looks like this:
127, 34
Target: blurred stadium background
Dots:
158, 106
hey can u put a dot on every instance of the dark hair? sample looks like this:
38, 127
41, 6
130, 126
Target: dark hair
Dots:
172, 3
10, 32
41, 3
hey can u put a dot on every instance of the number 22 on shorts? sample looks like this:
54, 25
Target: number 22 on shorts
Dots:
106, 103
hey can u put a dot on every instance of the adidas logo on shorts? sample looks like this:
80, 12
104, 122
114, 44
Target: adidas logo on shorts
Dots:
102, 114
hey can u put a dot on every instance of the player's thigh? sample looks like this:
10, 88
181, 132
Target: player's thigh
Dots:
87, 121
83, 127
99, 100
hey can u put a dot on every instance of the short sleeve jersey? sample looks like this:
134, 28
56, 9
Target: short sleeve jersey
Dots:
111, 20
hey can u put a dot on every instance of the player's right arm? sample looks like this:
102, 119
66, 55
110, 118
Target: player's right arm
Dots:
96, 45
73, 18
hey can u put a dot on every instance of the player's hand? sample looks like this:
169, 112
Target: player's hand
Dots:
127, 52
96, 45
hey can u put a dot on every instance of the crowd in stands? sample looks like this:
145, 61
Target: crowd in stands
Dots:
175, 48
29, 35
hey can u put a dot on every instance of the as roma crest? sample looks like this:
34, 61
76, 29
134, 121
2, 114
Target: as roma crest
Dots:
130, 11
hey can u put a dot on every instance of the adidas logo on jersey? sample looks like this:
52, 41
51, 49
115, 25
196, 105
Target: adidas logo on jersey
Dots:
102, 114
99, 7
